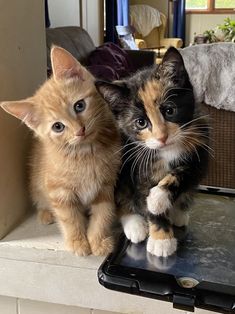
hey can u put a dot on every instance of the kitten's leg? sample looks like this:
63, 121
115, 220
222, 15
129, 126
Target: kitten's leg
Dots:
45, 216
161, 241
135, 227
72, 221
179, 215
102, 217
73, 225
159, 199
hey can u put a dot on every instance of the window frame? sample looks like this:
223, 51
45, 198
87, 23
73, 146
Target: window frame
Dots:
211, 9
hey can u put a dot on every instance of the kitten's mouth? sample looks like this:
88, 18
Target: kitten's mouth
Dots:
77, 140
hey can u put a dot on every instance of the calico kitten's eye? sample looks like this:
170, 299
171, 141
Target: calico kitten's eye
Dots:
79, 106
58, 127
169, 111
141, 123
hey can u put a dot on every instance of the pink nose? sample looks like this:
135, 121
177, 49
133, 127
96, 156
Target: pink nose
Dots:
81, 132
163, 139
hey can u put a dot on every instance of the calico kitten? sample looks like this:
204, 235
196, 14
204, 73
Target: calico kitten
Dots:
75, 160
165, 150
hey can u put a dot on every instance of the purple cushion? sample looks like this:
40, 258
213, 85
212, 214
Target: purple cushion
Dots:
104, 72
111, 59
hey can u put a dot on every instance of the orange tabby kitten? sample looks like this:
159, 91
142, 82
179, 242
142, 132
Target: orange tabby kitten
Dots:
75, 160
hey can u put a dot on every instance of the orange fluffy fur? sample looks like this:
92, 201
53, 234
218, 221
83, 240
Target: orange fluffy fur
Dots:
72, 176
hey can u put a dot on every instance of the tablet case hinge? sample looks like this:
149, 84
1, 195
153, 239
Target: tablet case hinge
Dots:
184, 302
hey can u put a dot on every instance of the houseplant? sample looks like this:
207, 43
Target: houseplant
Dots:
228, 29
211, 36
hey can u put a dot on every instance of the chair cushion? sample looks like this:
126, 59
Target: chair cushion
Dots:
72, 38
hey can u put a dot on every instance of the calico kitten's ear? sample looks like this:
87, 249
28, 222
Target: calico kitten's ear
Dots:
172, 55
64, 65
173, 66
23, 110
112, 93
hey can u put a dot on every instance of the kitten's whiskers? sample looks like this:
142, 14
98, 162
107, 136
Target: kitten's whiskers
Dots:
132, 154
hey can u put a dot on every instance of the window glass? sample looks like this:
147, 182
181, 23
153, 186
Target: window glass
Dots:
225, 4
196, 4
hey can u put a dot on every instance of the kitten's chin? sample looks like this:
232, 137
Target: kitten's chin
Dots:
172, 152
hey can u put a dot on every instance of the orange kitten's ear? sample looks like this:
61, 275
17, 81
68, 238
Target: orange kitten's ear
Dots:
64, 65
23, 110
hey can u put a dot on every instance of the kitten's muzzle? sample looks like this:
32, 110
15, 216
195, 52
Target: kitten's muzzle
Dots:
163, 139
81, 132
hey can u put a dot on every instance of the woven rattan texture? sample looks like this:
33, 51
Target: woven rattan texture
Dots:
221, 171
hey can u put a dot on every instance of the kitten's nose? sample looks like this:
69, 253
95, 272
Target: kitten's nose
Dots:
81, 132
163, 139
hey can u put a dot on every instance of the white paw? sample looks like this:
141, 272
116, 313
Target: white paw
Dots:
158, 201
179, 217
135, 228
162, 247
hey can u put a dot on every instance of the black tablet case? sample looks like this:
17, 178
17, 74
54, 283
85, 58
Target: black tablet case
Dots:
204, 263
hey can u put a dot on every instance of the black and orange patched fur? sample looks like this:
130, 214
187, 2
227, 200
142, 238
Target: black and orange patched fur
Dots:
165, 150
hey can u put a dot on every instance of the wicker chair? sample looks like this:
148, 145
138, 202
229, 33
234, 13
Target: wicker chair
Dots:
221, 171
156, 38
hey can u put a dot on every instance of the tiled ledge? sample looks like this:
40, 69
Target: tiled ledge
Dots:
34, 265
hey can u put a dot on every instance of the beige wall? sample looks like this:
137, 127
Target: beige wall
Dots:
200, 22
22, 70
85, 13
64, 13
93, 19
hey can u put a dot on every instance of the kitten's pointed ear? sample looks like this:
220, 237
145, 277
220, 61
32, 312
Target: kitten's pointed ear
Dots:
172, 55
111, 92
114, 94
173, 66
64, 65
23, 110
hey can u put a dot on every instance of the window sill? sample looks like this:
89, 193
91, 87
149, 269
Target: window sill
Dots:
222, 11
34, 265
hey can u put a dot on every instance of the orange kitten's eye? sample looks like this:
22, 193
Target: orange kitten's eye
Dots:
141, 123
79, 106
58, 127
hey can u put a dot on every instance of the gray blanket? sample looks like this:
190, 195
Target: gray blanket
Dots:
211, 69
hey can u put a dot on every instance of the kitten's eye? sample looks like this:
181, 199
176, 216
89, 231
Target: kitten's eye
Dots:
169, 111
58, 127
79, 106
141, 123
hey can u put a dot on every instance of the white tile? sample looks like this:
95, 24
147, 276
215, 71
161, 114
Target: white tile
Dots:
158, 307
8, 305
104, 312
35, 307
201, 311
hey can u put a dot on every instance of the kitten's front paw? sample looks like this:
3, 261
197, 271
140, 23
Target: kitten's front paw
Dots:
158, 201
135, 228
45, 217
79, 247
162, 248
102, 247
